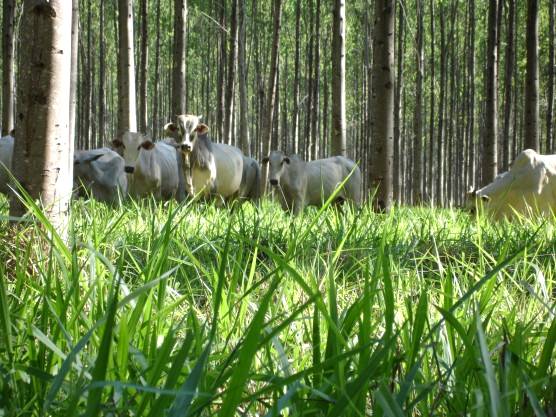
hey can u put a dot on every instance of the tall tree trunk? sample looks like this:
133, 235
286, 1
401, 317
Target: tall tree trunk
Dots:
550, 95
508, 91
296, 81
440, 154
143, 76
339, 144
242, 66
489, 167
316, 83
156, 87
271, 88
531, 120
42, 145
8, 73
383, 108
178, 72
221, 95
398, 181
430, 157
471, 96
127, 113
231, 75
102, 78
418, 114
73, 79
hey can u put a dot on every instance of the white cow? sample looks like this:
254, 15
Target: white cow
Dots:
528, 187
6, 153
100, 173
155, 168
213, 168
312, 183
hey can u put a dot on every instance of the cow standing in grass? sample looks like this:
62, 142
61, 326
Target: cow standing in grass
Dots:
155, 167
214, 169
528, 187
311, 183
100, 174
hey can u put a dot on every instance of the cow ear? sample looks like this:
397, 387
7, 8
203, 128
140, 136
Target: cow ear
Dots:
117, 143
200, 117
485, 198
148, 145
202, 129
287, 160
265, 160
170, 127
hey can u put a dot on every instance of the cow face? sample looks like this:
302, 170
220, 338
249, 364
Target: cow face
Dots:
190, 141
277, 163
473, 200
128, 147
184, 128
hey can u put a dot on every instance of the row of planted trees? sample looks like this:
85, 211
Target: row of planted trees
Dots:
458, 102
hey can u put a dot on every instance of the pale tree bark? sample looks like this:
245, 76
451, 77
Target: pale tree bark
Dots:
490, 154
398, 116
531, 121
339, 144
178, 74
8, 73
231, 75
42, 145
127, 110
315, 102
417, 180
143, 77
242, 66
268, 119
383, 105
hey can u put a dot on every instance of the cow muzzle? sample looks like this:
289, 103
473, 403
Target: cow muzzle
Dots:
274, 182
186, 147
129, 169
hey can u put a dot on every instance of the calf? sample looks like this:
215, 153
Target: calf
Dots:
312, 183
528, 187
100, 173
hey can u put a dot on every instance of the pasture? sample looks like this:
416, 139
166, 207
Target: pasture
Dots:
160, 309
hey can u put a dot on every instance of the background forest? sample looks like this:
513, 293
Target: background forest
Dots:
440, 80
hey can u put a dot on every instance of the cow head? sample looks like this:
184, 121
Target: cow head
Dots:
473, 199
83, 170
183, 128
277, 163
128, 146
189, 141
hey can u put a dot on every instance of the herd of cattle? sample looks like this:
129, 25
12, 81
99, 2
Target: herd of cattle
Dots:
186, 162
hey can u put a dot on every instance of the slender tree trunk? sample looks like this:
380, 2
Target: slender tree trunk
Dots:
430, 159
231, 75
127, 114
73, 80
271, 88
397, 104
550, 94
156, 86
471, 96
296, 81
489, 168
418, 114
178, 73
339, 144
8, 73
383, 109
440, 154
243, 102
143, 75
315, 89
102, 77
221, 95
508, 91
42, 148
531, 120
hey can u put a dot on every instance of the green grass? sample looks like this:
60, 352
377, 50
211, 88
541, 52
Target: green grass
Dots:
157, 309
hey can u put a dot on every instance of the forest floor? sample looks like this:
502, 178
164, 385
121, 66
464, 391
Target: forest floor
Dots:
206, 311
